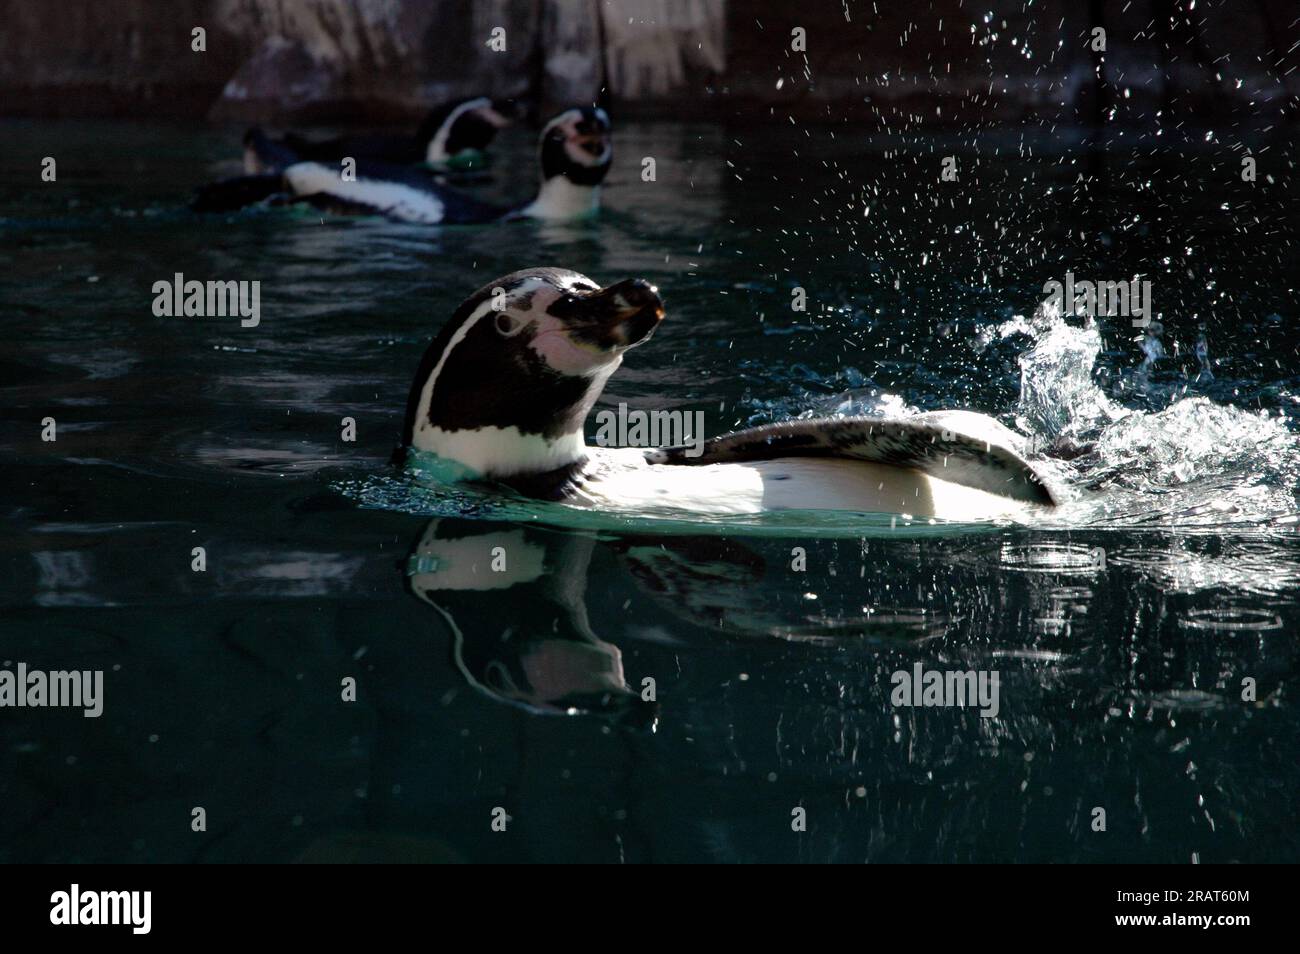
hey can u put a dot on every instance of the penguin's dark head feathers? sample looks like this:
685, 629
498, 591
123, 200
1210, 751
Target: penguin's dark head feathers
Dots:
577, 144
506, 386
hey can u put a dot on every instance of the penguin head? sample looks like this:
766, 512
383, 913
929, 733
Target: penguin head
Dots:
577, 146
462, 126
505, 387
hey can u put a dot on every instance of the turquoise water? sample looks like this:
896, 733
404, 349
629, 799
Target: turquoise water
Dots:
1122, 627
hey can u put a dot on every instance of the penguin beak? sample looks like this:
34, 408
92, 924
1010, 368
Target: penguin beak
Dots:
617, 317
591, 136
594, 144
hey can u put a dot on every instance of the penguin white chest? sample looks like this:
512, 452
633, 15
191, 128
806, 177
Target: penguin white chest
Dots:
622, 479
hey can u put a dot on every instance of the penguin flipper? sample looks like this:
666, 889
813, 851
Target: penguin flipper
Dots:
957, 446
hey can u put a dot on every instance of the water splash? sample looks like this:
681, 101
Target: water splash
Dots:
1192, 462
1204, 375
1153, 349
1059, 401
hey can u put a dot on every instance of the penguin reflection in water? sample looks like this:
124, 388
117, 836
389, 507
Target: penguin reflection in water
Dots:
505, 388
548, 660
574, 155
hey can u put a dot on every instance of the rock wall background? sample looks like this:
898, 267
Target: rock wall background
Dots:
892, 62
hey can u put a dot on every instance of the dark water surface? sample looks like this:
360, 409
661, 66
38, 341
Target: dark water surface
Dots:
1122, 629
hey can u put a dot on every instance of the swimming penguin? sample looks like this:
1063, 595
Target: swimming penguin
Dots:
505, 388
454, 134
575, 155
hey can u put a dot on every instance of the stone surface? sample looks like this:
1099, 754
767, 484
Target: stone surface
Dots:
892, 63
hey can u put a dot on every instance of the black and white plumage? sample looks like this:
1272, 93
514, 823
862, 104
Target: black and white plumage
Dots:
958, 446
449, 131
506, 387
574, 156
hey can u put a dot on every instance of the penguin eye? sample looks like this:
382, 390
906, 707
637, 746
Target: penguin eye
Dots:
509, 325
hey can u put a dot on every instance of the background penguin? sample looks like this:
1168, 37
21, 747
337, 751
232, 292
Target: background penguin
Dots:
575, 155
506, 386
454, 134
